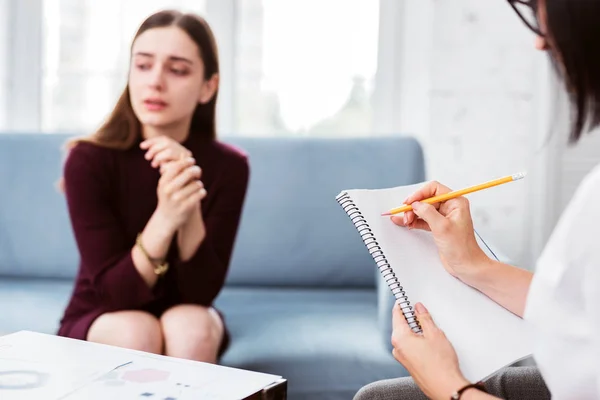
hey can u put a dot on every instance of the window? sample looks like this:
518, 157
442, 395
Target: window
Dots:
293, 67
306, 67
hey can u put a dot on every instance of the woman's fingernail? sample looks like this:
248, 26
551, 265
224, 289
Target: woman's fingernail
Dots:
405, 219
416, 205
420, 308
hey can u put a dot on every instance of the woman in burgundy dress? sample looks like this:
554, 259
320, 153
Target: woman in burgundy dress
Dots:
155, 202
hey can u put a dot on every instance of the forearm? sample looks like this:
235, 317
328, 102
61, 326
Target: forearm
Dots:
505, 284
201, 277
190, 236
156, 239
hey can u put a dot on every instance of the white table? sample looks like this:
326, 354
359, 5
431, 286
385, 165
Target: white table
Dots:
35, 365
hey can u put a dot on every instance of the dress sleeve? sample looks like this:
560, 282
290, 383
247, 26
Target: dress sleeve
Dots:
201, 278
104, 250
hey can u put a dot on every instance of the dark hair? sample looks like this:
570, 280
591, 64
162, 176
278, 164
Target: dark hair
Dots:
574, 35
122, 128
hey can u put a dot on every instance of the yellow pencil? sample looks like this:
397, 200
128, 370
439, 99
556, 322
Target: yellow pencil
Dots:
457, 193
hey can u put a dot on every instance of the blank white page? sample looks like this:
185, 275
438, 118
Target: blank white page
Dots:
485, 335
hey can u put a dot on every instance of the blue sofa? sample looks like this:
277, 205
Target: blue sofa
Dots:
303, 298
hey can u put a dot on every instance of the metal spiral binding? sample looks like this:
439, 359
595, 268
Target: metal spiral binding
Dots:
382, 264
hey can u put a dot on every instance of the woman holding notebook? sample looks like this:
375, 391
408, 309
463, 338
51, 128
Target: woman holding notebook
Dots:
155, 201
561, 301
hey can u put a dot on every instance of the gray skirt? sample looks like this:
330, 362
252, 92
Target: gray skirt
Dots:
509, 383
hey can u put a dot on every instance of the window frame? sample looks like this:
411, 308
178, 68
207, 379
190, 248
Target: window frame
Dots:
24, 88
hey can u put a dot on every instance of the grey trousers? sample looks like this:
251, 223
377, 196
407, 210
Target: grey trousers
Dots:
509, 383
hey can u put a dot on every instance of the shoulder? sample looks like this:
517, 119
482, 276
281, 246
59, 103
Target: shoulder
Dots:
579, 225
590, 185
230, 152
89, 150
86, 158
584, 199
234, 158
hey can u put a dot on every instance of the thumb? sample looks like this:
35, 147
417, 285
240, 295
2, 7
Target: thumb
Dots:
425, 319
429, 214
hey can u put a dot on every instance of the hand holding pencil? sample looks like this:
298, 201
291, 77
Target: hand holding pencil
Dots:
447, 215
454, 194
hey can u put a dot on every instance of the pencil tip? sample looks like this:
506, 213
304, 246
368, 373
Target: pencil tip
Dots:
385, 214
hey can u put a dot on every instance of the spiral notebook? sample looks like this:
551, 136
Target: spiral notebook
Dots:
485, 335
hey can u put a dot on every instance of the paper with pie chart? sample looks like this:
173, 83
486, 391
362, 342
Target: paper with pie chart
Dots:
166, 378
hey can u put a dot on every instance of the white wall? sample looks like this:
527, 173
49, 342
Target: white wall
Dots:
474, 90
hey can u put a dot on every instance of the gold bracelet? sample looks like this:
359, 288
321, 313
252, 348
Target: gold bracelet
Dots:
160, 266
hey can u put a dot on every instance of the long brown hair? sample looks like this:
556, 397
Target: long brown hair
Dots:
122, 128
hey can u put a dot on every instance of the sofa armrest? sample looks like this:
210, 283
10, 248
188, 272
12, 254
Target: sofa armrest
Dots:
386, 300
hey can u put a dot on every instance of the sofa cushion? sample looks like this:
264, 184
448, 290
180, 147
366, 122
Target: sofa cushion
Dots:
293, 232
32, 304
35, 234
326, 342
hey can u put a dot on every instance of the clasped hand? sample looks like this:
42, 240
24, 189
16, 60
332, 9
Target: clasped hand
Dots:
180, 190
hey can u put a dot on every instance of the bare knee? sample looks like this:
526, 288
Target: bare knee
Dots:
192, 332
136, 330
190, 321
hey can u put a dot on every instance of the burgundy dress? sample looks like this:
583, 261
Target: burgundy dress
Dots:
111, 195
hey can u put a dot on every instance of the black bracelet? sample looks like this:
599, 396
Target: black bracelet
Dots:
479, 385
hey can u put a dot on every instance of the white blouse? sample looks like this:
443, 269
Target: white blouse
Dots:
563, 304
